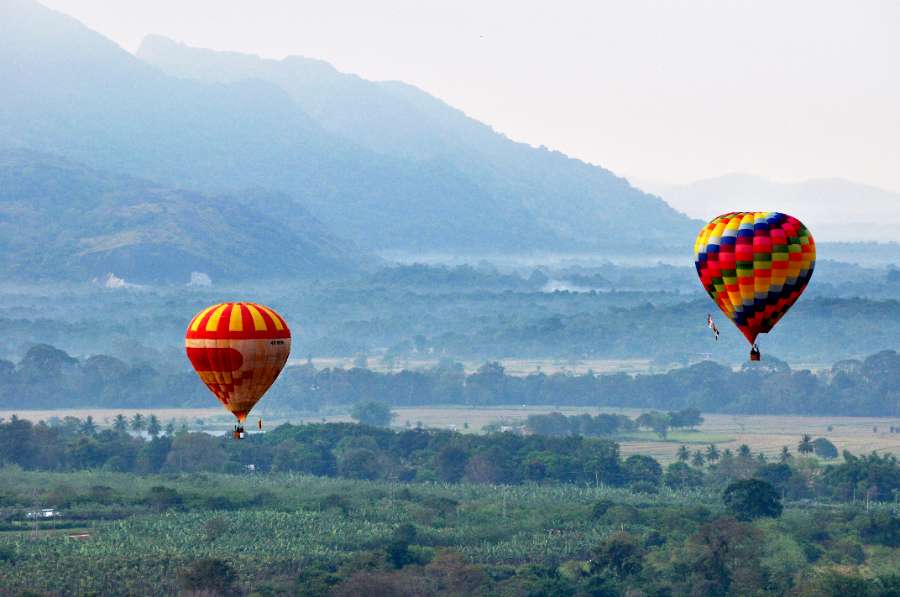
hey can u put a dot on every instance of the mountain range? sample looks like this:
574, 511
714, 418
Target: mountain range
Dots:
382, 165
836, 210
63, 220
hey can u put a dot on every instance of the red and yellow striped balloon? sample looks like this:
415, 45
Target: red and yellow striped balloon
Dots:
755, 265
238, 350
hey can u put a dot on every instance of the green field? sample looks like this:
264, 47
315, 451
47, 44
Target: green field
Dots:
287, 520
301, 535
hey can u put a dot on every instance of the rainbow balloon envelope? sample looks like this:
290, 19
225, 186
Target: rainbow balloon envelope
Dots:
755, 265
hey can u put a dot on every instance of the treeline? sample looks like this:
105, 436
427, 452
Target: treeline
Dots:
361, 452
661, 319
47, 377
559, 425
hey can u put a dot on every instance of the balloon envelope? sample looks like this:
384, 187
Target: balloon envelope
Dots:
755, 265
238, 350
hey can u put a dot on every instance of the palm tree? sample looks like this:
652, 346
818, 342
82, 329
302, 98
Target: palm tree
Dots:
785, 455
805, 446
698, 459
744, 452
153, 426
712, 453
121, 423
683, 454
88, 427
137, 422
762, 458
170, 427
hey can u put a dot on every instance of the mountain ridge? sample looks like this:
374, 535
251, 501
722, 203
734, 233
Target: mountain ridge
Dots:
427, 129
61, 220
829, 206
440, 181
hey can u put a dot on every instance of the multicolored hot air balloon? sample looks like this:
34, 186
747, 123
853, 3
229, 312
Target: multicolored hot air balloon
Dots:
238, 350
755, 265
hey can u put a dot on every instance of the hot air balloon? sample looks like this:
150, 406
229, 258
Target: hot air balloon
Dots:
238, 350
755, 265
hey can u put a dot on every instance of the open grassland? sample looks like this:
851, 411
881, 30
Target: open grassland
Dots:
518, 367
763, 433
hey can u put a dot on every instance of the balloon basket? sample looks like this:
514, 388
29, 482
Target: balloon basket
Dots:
755, 356
238, 433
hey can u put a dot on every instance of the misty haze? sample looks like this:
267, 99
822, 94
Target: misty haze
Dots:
402, 300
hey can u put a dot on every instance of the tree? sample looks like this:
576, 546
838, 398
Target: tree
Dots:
689, 417
750, 499
374, 413
785, 456
698, 459
657, 421
824, 448
121, 423
210, 576
170, 427
723, 558
683, 454
621, 554
153, 426
805, 446
778, 475
712, 453
397, 550
163, 498
192, 452
359, 463
680, 476
642, 469
137, 422
744, 452
88, 427
450, 463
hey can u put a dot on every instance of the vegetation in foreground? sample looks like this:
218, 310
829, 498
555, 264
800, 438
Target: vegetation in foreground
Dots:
433, 513
284, 534
808, 470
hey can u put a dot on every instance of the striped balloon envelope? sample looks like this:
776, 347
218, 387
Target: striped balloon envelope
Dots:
238, 350
755, 265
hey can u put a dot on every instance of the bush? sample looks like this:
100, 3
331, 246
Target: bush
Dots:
751, 499
374, 413
644, 487
163, 498
824, 448
209, 575
600, 508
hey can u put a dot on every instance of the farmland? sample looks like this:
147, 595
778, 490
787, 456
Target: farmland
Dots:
288, 527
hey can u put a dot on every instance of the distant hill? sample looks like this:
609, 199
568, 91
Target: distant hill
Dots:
382, 164
836, 210
579, 203
61, 220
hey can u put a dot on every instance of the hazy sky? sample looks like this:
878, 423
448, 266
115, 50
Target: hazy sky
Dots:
662, 91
